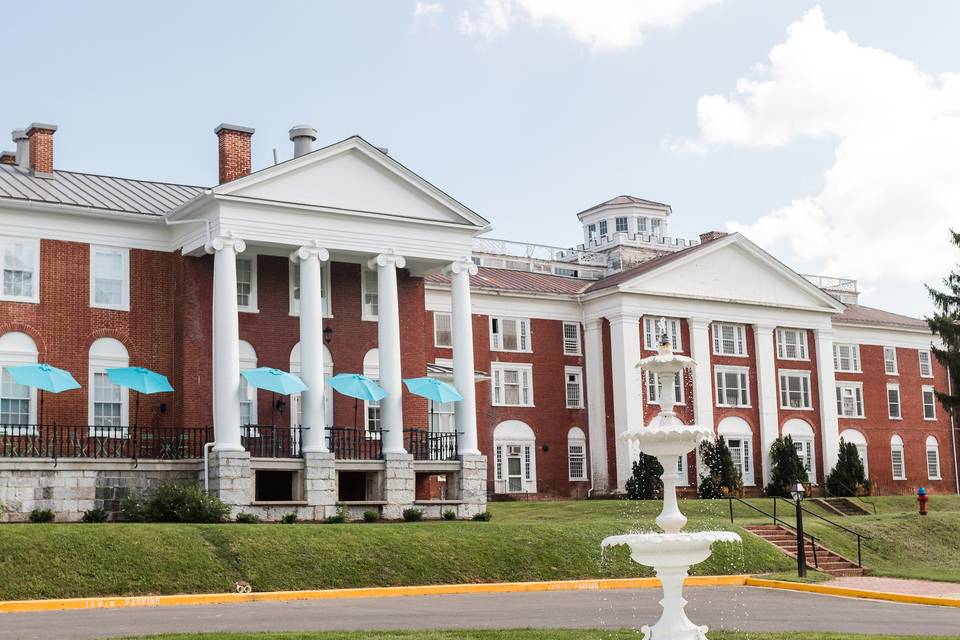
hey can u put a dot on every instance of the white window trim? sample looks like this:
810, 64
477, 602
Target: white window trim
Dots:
501, 366
863, 405
896, 363
100, 364
856, 357
802, 344
808, 442
527, 485
525, 321
890, 387
364, 270
251, 256
729, 369
719, 343
563, 330
935, 447
929, 361
436, 343
650, 332
325, 277
651, 399
684, 479
124, 290
923, 405
582, 442
35, 298
800, 373
903, 461
567, 371
746, 462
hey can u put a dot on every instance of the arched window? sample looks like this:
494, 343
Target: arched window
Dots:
576, 454
933, 458
371, 408
108, 402
739, 437
296, 411
801, 433
515, 460
248, 393
897, 459
18, 403
855, 437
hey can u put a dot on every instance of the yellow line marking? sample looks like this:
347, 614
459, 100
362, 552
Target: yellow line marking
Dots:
866, 594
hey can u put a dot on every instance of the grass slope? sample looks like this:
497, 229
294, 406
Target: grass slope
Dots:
519, 635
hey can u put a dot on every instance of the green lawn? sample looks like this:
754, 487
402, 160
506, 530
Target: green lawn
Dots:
524, 541
519, 635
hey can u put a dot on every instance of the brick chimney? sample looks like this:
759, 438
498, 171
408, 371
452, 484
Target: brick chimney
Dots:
8, 157
234, 149
40, 137
711, 235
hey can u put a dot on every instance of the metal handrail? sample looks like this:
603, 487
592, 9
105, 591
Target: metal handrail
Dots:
813, 539
860, 536
860, 498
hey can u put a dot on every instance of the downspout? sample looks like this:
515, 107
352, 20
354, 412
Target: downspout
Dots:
206, 466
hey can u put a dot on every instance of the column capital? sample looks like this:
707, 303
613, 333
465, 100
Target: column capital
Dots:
625, 318
387, 258
764, 327
225, 241
310, 250
699, 322
593, 324
461, 265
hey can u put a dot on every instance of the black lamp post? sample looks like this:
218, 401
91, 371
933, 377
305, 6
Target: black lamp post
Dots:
797, 494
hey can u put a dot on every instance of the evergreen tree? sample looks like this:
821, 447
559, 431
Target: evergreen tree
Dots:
848, 478
787, 469
946, 324
645, 482
722, 478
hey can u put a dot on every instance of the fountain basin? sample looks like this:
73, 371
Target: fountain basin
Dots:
668, 438
670, 550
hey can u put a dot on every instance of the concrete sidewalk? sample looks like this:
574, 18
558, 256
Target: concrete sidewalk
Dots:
899, 585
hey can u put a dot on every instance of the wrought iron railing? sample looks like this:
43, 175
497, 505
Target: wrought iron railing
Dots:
349, 443
430, 445
268, 441
82, 441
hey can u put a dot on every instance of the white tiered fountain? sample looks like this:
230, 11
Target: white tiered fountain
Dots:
672, 552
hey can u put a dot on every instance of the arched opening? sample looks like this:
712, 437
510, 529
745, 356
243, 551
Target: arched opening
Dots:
296, 406
738, 435
576, 454
860, 441
933, 459
801, 433
18, 403
108, 404
898, 464
514, 458
248, 394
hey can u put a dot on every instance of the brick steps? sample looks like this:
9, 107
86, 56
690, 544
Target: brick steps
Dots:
841, 506
786, 540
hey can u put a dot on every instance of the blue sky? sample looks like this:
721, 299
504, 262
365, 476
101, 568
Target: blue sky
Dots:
529, 112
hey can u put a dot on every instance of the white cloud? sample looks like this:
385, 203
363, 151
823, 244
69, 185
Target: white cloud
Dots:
894, 186
602, 24
422, 9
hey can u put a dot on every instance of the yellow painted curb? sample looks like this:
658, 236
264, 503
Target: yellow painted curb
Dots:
19, 606
826, 589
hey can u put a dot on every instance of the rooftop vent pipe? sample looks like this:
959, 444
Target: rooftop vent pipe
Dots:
302, 136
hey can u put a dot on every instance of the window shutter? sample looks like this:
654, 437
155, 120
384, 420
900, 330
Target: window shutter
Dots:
716, 339
745, 448
497, 386
524, 387
523, 328
495, 332
499, 462
527, 463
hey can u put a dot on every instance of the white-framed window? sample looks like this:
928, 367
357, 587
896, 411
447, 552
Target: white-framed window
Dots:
897, 458
371, 408
247, 283
294, 287
571, 338
890, 361
655, 226
442, 329
846, 357
795, 390
860, 442
574, 387
248, 393
603, 227
110, 278
652, 341
509, 334
515, 460
576, 455
108, 402
850, 399
296, 401
926, 364
443, 417
653, 387
369, 287
684, 480
18, 403
20, 260
733, 388
792, 344
929, 403
933, 459
512, 384
739, 438
591, 232
621, 224
729, 339
802, 435
642, 225
893, 402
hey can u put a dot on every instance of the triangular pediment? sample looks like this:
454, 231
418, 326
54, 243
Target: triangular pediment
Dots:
352, 175
732, 269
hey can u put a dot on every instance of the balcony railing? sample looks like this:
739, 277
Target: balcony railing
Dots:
82, 441
430, 445
265, 441
348, 443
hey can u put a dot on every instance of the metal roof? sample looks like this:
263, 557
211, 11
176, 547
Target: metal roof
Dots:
859, 314
621, 200
94, 192
520, 281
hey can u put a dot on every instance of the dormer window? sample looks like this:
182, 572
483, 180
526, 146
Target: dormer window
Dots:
641, 225
603, 227
591, 232
655, 226
621, 225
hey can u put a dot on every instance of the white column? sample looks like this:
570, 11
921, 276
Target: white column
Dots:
767, 392
829, 424
388, 337
226, 343
627, 386
596, 403
461, 320
309, 257
700, 350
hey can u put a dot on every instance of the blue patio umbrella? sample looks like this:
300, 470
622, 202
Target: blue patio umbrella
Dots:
433, 390
141, 380
358, 387
275, 381
45, 377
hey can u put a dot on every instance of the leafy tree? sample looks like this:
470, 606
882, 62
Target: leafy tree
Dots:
645, 482
722, 478
787, 469
848, 477
946, 324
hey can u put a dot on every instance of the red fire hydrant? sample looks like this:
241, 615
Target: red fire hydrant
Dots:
922, 499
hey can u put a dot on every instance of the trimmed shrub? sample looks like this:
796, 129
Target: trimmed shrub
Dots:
412, 515
246, 518
645, 483
787, 468
339, 518
41, 515
722, 478
289, 518
94, 515
483, 516
175, 502
848, 478
371, 516
449, 514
